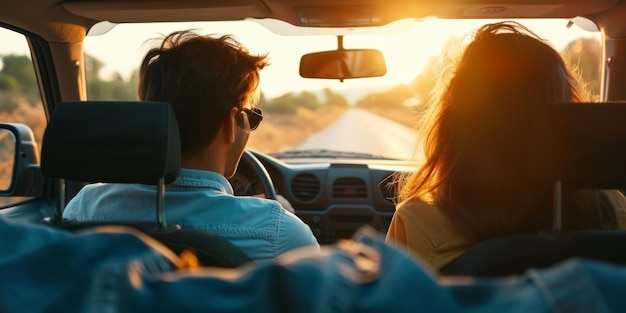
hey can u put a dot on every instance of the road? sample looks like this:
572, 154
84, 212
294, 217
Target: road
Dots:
358, 130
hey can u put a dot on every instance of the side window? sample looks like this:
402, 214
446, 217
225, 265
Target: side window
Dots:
20, 100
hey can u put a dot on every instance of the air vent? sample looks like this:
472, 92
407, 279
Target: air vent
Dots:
349, 187
305, 187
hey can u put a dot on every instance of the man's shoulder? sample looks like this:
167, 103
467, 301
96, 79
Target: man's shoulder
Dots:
257, 206
97, 188
99, 196
258, 202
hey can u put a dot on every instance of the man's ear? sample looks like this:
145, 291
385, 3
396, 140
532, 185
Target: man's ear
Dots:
229, 126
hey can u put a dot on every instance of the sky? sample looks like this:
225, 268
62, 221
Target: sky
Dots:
407, 47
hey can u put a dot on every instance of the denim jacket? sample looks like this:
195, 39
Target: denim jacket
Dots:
115, 270
201, 200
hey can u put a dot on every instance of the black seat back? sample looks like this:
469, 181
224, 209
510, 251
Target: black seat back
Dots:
575, 145
514, 254
112, 141
125, 142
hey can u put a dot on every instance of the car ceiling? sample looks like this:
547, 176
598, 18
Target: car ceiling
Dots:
53, 19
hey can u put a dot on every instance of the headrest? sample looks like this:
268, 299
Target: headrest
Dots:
112, 141
582, 144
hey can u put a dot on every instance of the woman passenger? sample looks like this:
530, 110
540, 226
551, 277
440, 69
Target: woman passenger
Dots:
475, 182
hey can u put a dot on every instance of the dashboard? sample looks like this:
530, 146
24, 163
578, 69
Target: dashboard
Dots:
335, 197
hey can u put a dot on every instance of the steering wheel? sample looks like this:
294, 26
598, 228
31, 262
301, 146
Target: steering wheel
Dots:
251, 166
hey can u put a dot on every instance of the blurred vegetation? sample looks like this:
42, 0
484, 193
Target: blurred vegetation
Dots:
20, 100
291, 102
114, 87
18, 87
18, 84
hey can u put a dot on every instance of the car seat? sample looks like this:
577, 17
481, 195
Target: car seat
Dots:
575, 145
125, 142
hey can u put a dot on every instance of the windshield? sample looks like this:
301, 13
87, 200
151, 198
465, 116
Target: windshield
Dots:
366, 118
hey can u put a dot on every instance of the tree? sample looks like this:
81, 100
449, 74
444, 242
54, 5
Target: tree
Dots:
93, 67
287, 103
18, 75
307, 99
9, 83
334, 99
115, 88
394, 97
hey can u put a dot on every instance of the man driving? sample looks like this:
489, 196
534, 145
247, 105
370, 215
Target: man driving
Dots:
211, 84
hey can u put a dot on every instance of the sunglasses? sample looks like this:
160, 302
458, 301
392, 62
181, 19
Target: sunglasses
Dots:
255, 116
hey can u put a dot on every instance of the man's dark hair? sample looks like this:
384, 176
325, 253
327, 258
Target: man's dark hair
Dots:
202, 78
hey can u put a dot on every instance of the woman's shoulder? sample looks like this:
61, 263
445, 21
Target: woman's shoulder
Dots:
420, 210
430, 234
415, 204
426, 217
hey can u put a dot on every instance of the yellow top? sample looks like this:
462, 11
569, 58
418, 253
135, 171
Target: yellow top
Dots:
425, 232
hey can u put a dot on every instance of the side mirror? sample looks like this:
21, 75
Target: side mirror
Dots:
19, 161
343, 64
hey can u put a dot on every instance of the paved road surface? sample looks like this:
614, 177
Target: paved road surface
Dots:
358, 130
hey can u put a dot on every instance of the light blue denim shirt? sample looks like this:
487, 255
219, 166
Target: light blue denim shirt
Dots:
202, 200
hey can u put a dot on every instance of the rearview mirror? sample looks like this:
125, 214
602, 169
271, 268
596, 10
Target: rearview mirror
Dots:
343, 64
